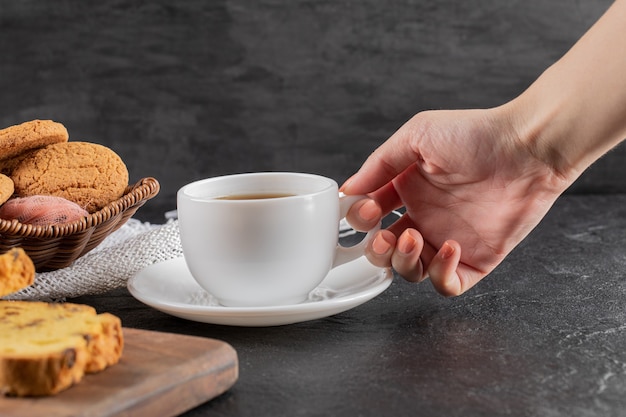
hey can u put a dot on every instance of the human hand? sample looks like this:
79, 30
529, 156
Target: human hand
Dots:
472, 190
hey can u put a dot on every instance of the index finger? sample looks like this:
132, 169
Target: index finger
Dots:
384, 164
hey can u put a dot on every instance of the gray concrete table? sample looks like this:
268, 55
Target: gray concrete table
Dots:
544, 335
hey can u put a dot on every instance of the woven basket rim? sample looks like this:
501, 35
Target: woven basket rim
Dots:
142, 190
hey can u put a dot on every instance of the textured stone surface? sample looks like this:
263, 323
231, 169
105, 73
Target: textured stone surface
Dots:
185, 90
543, 335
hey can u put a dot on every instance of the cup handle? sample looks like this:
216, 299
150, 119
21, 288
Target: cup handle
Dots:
346, 254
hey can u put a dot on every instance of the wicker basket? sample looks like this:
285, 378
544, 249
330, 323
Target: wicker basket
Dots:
57, 246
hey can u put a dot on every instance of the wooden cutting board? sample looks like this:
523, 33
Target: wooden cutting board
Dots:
160, 374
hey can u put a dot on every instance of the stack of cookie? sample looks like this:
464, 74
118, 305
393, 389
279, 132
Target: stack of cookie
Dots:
75, 178
47, 180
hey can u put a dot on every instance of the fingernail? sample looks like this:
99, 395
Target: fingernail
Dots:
447, 250
346, 184
369, 211
380, 246
406, 243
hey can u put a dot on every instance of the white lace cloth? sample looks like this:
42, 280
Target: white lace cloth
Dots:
121, 255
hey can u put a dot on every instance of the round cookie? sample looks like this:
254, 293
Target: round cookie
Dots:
6, 188
88, 174
30, 135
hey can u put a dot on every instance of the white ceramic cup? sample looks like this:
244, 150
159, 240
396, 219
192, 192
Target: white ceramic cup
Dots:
263, 251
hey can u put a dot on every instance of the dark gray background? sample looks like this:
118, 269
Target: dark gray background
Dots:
189, 89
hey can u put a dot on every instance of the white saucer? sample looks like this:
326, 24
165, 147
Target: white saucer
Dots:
169, 287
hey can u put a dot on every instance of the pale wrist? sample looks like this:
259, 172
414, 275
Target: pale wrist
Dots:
576, 110
544, 121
